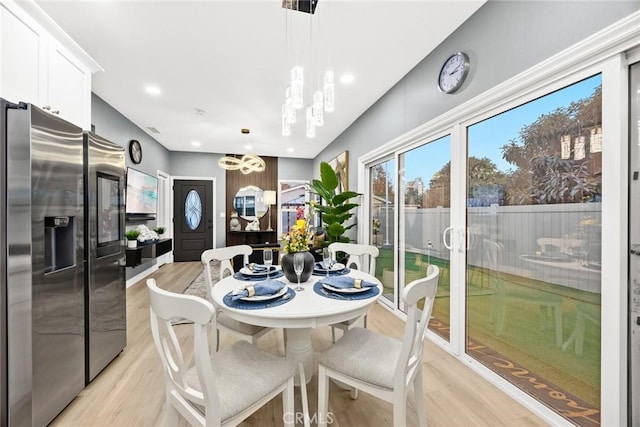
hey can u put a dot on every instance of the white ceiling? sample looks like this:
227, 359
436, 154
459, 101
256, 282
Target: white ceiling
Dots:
232, 59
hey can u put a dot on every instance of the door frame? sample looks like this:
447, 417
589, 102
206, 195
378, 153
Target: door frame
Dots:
164, 212
213, 199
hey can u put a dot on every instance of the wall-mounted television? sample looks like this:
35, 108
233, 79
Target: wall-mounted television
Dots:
142, 195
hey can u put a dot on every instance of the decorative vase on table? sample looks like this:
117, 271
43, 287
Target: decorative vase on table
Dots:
287, 267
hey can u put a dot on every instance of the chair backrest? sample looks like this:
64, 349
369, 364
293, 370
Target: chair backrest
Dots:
165, 306
356, 253
225, 256
410, 358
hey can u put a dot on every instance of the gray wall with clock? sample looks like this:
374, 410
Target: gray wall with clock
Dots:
112, 125
502, 39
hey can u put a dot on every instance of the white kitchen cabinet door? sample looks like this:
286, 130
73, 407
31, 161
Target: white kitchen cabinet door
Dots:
23, 48
69, 86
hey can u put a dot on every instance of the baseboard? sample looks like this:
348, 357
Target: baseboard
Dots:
140, 276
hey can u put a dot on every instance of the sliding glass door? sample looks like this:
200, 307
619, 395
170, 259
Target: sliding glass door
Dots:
425, 186
533, 216
382, 179
510, 209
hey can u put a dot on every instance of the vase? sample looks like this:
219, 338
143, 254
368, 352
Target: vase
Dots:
287, 267
132, 244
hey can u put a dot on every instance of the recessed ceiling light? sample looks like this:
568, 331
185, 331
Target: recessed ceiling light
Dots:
152, 90
290, 150
195, 143
347, 78
248, 147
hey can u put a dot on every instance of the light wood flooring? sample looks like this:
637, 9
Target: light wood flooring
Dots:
130, 391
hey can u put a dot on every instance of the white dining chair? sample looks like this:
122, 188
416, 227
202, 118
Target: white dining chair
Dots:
382, 366
358, 255
225, 255
221, 388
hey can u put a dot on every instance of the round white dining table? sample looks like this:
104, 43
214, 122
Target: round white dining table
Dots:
305, 311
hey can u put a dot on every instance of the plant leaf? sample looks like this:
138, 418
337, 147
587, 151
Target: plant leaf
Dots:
328, 176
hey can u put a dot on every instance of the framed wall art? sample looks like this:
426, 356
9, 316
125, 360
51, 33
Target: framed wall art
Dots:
340, 164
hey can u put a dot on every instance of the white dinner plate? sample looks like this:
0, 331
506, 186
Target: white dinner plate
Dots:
335, 267
344, 290
266, 297
247, 272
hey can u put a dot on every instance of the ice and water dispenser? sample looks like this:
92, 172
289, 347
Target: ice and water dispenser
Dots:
59, 243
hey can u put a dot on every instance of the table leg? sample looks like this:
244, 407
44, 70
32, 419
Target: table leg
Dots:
299, 349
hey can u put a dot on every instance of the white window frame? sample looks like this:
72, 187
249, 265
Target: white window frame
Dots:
603, 52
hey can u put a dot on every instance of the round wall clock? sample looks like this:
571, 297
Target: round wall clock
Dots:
453, 72
135, 151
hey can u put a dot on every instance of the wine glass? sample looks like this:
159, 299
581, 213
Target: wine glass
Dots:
326, 259
298, 266
267, 258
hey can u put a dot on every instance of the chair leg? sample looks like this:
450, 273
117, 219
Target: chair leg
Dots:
419, 395
288, 405
365, 321
333, 334
323, 396
172, 417
399, 410
217, 340
303, 395
354, 393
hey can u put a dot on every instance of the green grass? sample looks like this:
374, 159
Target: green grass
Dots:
528, 336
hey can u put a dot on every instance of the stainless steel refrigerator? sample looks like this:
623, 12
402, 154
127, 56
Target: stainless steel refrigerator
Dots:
106, 314
43, 293
634, 245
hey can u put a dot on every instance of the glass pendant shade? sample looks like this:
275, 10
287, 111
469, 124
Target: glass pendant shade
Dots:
318, 107
297, 87
311, 123
286, 126
291, 112
329, 91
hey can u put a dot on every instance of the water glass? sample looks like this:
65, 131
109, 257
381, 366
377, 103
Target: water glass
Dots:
267, 258
326, 259
298, 266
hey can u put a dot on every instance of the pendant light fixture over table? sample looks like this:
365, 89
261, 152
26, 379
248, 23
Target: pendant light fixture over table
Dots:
246, 164
323, 98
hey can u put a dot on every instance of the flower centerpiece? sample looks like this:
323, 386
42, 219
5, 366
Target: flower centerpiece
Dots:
296, 240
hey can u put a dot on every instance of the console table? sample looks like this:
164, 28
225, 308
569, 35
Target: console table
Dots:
145, 252
251, 237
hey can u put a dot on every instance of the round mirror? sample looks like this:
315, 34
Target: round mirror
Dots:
249, 203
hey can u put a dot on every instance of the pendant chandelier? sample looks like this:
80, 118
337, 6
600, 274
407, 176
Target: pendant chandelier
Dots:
321, 99
246, 164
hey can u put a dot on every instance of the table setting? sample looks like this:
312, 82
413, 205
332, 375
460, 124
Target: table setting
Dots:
345, 288
258, 295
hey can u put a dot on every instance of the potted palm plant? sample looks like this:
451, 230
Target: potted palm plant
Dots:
132, 238
337, 208
159, 230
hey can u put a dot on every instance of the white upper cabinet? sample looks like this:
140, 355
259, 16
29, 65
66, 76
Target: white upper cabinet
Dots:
42, 65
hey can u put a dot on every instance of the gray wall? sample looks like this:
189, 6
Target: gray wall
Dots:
289, 168
502, 39
112, 125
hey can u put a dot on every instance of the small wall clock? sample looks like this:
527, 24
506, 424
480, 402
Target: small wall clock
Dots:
453, 72
135, 151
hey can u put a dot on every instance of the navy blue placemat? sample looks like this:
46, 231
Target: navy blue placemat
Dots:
318, 289
331, 272
273, 275
256, 305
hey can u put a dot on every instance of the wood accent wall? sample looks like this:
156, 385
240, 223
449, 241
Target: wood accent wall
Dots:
267, 180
